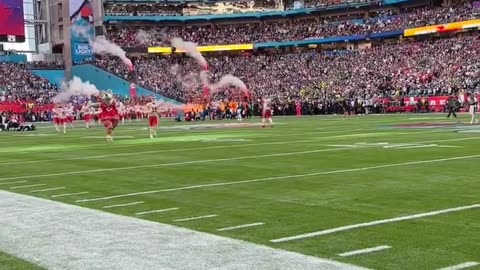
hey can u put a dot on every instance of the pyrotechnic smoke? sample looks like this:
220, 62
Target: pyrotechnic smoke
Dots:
102, 46
228, 80
142, 37
205, 77
168, 105
176, 71
191, 50
75, 87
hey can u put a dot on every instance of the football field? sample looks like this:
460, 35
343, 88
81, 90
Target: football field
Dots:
379, 192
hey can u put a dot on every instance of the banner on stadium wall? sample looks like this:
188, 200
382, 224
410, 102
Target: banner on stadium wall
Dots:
216, 48
449, 27
81, 16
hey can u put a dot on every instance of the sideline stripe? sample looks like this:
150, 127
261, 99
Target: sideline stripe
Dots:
363, 251
280, 177
120, 205
47, 189
460, 266
156, 211
69, 194
16, 182
194, 218
374, 223
173, 164
241, 226
27, 186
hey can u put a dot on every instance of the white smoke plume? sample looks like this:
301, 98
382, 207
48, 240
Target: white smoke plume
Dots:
228, 80
102, 46
142, 37
168, 105
191, 50
205, 77
75, 87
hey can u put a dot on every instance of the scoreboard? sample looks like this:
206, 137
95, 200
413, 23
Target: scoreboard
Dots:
12, 23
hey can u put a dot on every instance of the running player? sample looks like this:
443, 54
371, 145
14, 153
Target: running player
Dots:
69, 115
109, 114
266, 112
152, 110
59, 118
87, 114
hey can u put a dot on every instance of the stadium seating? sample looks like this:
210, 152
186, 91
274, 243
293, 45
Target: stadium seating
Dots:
289, 30
428, 68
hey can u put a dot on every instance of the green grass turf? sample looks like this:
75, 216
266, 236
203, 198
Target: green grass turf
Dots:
288, 206
8, 262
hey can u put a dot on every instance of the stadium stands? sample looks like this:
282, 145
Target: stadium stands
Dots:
428, 68
288, 30
19, 84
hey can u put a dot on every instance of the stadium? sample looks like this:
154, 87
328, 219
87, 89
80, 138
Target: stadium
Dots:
270, 134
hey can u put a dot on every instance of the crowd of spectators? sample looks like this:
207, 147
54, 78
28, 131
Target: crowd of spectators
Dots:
288, 30
423, 68
17, 84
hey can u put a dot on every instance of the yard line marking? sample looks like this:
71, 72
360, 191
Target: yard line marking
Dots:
69, 194
194, 218
120, 205
155, 211
241, 226
174, 164
278, 178
460, 266
27, 186
191, 148
47, 189
16, 182
374, 223
142, 245
363, 251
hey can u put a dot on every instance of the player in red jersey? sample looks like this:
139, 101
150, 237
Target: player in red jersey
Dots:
109, 114
266, 111
59, 118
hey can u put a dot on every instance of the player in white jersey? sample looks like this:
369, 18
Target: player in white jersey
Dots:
472, 108
138, 112
87, 114
59, 118
69, 115
267, 111
152, 109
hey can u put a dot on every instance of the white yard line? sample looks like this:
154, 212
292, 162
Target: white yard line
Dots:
103, 240
69, 194
195, 162
196, 148
194, 218
200, 161
461, 266
9, 183
374, 223
363, 251
281, 177
28, 186
241, 226
47, 189
156, 211
121, 205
